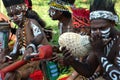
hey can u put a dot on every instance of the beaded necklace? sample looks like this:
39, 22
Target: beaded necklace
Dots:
22, 36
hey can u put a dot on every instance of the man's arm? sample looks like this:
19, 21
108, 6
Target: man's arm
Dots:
83, 68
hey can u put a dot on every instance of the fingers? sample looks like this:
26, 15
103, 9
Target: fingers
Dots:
54, 59
96, 36
107, 40
67, 53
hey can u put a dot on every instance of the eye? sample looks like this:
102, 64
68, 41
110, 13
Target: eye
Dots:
103, 28
17, 13
93, 29
10, 15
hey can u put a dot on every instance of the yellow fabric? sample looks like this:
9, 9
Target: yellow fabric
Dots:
66, 74
62, 76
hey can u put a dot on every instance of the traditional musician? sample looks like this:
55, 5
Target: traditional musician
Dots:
29, 33
67, 21
70, 19
105, 40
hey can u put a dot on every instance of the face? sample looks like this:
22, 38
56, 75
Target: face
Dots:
54, 14
101, 27
16, 13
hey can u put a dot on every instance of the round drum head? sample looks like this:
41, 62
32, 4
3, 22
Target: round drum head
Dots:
78, 44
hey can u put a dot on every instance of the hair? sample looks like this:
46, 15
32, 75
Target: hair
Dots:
107, 5
66, 14
8, 3
71, 2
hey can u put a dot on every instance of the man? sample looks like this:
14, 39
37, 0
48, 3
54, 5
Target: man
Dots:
29, 33
29, 30
105, 40
59, 11
77, 21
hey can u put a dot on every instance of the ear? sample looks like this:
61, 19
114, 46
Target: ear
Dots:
60, 12
113, 23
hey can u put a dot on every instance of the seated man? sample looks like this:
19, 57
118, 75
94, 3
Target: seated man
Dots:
105, 40
77, 21
29, 33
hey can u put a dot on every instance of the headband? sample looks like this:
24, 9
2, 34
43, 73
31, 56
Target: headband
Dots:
104, 15
58, 6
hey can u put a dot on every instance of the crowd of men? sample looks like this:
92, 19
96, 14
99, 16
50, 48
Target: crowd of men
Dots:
99, 23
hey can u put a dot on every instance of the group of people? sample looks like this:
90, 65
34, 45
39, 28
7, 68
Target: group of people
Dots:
98, 22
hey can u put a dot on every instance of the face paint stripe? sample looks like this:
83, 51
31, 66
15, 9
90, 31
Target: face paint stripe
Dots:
105, 35
118, 62
108, 50
36, 30
114, 75
104, 63
105, 31
108, 66
118, 58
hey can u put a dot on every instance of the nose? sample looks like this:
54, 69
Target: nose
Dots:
15, 17
98, 31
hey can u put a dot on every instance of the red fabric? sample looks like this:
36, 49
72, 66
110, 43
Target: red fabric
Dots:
28, 4
82, 12
80, 17
45, 51
26, 1
36, 75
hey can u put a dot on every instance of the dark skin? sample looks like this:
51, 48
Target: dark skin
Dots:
63, 24
40, 38
66, 21
95, 58
35, 36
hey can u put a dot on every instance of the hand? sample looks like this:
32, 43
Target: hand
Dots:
57, 58
56, 48
97, 43
13, 76
3, 65
67, 56
3, 57
27, 52
54, 58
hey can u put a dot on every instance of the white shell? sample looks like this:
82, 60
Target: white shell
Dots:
78, 44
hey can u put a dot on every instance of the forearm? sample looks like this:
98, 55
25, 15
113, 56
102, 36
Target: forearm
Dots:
82, 68
35, 43
37, 40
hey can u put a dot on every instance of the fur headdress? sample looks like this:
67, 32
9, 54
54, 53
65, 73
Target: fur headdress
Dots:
8, 3
103, 9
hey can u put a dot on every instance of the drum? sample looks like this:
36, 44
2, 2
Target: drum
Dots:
78, 44
4, 34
